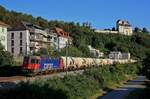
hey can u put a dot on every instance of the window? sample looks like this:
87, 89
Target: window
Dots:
3, 29
12, 42
34, 61
12, 35
50, 37
20, 35
55, 39
20, 49
12, 50
2, 38
20, 42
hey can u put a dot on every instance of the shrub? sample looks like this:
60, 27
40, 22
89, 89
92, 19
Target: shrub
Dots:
75, 86
6, 59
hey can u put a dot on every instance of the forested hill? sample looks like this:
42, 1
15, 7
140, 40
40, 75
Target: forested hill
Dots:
138, 44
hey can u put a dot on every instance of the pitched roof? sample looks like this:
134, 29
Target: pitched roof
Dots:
24, 26
123, 23
31, 25
60, 32
3, 24
17, 26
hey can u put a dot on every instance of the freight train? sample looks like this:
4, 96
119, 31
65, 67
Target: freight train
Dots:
43, 63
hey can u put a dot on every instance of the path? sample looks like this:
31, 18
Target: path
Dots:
122, 92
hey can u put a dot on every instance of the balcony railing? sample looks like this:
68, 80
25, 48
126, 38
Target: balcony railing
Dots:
32, 45
36, 38
38, 31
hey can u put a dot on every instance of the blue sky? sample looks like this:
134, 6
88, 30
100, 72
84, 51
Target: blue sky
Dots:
101, 13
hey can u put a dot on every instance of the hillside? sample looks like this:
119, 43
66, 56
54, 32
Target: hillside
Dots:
138, 44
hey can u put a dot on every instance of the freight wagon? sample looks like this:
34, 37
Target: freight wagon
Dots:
43, 63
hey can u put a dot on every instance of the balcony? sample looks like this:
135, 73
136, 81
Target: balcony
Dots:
36, 38
38, 31
32, 45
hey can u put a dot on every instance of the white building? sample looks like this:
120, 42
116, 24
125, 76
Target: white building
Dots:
106, 31
123, 27
95, 52
126, 56
115, 55
3, 35
119, 55
62, 39
25, 38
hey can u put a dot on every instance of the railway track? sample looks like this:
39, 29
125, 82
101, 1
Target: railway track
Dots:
7, 83
11, 79
22, 78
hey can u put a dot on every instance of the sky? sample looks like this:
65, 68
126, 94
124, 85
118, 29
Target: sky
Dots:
100, 13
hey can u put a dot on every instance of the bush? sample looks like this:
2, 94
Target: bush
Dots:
6, 59
74, 86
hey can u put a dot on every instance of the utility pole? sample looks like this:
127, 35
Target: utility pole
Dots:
58, 43
66, 56
26, 52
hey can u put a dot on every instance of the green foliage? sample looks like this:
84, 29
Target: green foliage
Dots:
146, 66
138, 44
6, 58
74, 86
137, 30
72, 51
144, 30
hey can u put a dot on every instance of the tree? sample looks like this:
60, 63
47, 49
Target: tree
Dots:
144, 30
146, 66
6, 59
113, 29
137, 30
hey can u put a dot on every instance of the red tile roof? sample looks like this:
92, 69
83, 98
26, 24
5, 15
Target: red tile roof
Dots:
61, 32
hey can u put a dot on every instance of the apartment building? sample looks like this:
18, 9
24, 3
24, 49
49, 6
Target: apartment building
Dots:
3, 35
52, 38
62, 39
26, 38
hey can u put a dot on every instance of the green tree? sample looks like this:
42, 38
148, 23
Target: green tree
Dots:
113, 29
146, 66
137, 30
144, 30
6, 59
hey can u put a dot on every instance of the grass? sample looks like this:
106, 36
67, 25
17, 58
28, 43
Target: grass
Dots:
92, 83
98, 94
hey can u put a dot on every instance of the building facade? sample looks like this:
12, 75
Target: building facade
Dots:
124, 27
26, 38
119, 55
3, 35
62, 39
115, 55
106, 31
95, 52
